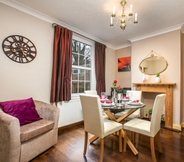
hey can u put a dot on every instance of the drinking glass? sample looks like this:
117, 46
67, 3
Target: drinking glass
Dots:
129, 94
103, 96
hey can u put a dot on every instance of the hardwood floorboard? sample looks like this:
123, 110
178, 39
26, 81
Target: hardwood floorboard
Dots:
69, 148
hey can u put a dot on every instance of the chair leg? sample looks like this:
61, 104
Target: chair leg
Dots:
85, 143
158, 142
120, 140
125, 140
101, 149
152, 149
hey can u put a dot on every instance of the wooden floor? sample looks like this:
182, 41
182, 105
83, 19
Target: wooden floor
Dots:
70, 148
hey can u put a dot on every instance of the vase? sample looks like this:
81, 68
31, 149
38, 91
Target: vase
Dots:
119, 97
144, 78
157, 80
114, 95
149, 117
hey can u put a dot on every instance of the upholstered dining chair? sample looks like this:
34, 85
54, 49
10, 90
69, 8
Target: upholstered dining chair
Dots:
94, 92
148, 128
135, 95
95, 124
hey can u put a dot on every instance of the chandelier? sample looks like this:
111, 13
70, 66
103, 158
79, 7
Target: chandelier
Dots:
123, 18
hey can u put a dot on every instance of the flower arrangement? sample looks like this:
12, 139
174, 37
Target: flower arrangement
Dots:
114, 83
118, 89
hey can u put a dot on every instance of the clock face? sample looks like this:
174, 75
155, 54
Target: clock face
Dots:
19, 49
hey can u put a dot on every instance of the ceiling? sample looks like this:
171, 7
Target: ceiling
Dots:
91, 18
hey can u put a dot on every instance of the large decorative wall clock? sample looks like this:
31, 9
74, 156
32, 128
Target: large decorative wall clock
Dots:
19, 48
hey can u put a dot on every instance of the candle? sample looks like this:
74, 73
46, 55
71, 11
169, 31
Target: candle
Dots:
111, 20
113, 11
131, 9
136, 16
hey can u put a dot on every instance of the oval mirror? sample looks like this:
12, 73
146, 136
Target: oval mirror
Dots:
153, 65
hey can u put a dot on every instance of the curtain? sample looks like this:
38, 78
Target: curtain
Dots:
100, 67
62, 65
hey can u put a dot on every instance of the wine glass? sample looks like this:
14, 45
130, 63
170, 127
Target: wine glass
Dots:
129, 95
103, 96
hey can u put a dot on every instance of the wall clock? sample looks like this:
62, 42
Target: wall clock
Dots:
19, 49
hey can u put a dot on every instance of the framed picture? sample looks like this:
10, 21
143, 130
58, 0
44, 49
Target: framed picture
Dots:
124, 64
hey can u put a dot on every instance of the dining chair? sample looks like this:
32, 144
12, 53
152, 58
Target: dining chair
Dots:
148, 128
94, 92
95, 124
135, 95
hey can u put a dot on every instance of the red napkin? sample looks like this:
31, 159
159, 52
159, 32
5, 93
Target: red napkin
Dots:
125, 97
107, 101
136, 101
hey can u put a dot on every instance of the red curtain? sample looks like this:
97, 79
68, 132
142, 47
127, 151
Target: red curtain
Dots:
62, 65
100, 67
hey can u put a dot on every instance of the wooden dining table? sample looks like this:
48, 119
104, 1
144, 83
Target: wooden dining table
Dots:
111, 109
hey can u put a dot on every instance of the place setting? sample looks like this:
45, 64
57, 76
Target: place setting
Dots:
105, 101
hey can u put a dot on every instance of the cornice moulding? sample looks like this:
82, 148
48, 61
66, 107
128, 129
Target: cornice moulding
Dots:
159, 32
25, 9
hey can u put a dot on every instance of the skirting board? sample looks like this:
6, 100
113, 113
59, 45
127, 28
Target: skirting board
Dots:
176, 126
182, 125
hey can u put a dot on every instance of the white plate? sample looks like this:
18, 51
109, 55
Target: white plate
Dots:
125, 100
135, 103
106, 104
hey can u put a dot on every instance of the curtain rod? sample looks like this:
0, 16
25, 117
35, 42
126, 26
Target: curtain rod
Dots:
54, 24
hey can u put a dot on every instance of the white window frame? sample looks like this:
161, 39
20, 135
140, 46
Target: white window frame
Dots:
93, 77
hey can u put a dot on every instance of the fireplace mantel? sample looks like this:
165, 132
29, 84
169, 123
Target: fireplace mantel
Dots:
166, 88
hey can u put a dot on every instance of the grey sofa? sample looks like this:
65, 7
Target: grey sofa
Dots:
23, 143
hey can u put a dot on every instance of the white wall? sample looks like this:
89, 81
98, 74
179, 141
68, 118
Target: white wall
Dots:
20, 81
169, 46
32, 79
123, 78
110, 69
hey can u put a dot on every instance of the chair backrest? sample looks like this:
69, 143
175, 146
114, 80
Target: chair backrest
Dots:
136, 95
92, 114
156, 114
93, 92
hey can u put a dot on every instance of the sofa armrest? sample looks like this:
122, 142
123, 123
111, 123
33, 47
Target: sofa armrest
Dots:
9, 137
47, 111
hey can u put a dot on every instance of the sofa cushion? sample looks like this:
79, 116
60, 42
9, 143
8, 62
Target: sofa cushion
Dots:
35, 129
24, 110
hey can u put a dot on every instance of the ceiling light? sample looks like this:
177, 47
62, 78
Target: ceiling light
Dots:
123, 18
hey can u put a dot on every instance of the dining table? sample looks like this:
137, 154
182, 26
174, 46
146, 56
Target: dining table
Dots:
128, 107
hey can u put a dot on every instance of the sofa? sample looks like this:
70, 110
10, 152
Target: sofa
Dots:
23, 143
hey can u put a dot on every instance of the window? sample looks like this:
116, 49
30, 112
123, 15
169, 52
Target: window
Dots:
82, 65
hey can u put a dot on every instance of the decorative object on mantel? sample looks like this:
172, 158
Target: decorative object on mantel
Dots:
157, 79
123, 18
144, 78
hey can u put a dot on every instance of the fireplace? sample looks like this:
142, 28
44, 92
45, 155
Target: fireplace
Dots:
166, 88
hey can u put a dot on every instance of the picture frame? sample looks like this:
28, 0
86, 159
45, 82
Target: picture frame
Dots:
124, 64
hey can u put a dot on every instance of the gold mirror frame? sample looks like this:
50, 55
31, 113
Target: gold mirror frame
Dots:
153, 64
